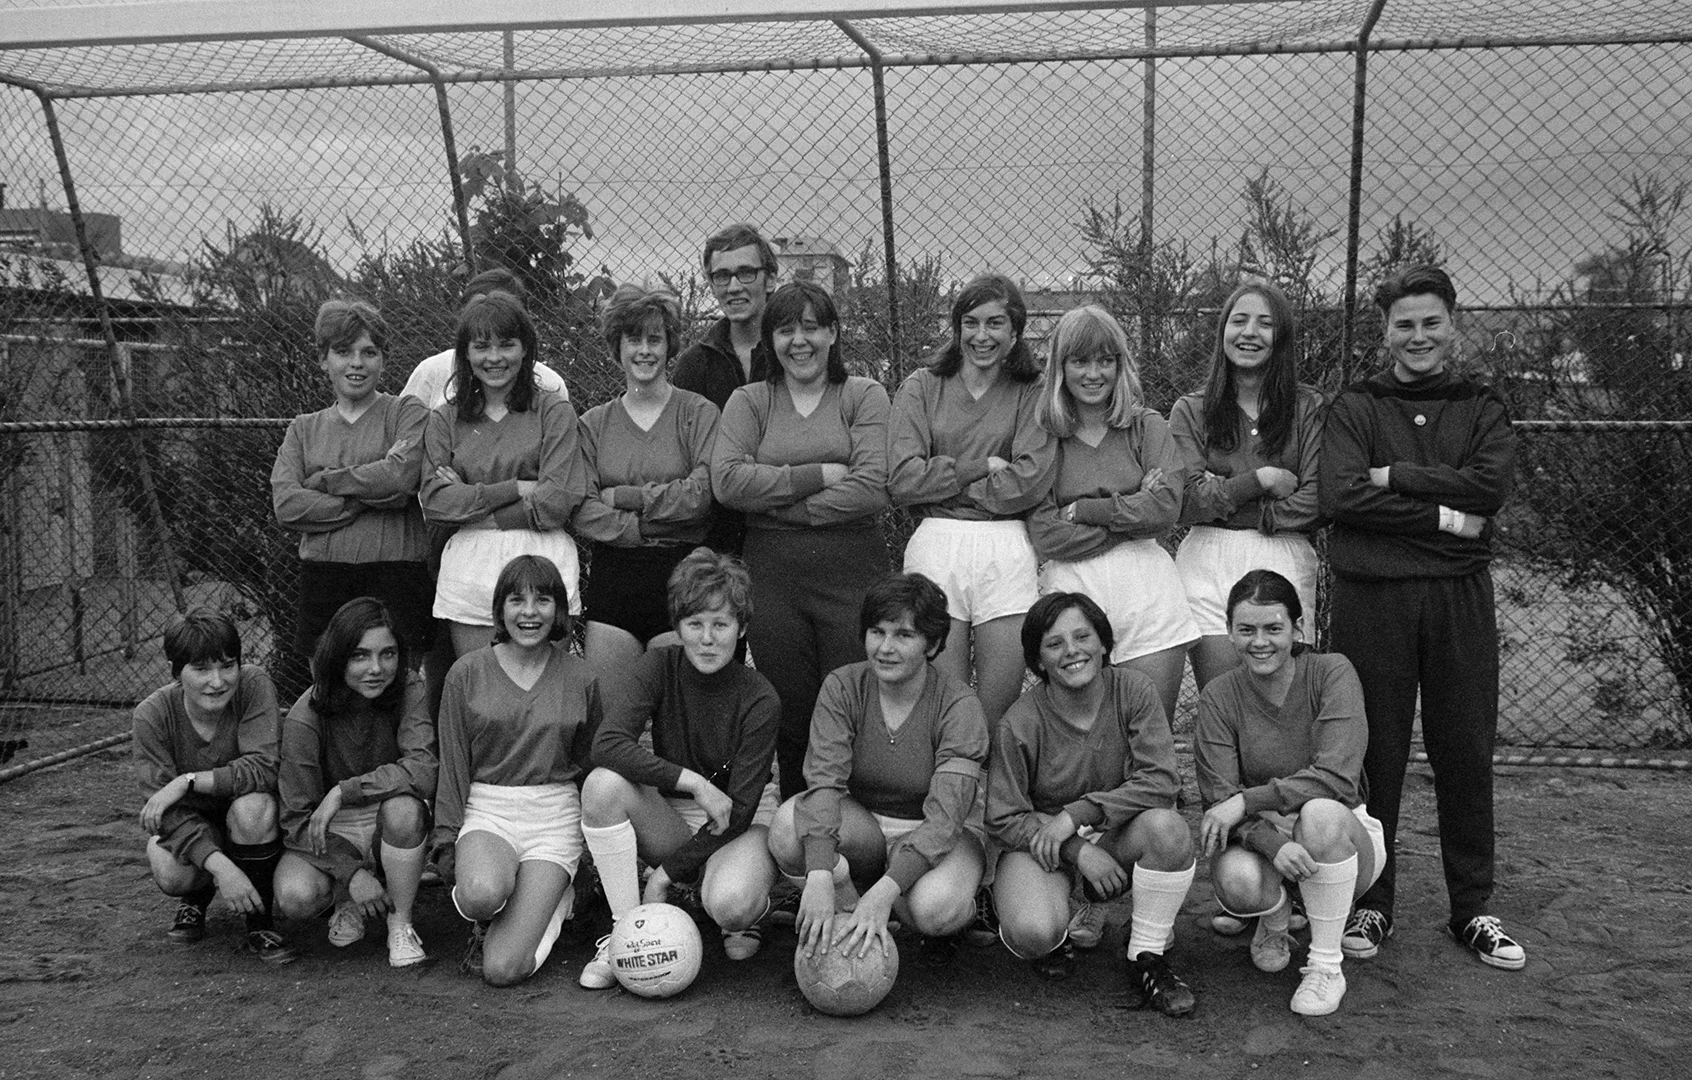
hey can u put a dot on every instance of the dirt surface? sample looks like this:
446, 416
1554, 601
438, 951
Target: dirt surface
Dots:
1596, 879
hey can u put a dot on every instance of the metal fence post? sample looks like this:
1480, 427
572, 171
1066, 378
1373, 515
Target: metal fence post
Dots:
1354, 214
884, 165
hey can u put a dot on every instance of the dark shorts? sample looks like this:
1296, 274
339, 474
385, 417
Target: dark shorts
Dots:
629, 587
405, 587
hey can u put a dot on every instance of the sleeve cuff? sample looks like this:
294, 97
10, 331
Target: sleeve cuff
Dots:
1243, 488
821, 853
352, 794
627, 497
1084, 812
905, 868
807, 480
1092, 511
969, 472
1260, 798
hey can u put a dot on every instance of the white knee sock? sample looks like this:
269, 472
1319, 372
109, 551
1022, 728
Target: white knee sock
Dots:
404, 866
1327, 901
1158, 895
554, 926
613, 849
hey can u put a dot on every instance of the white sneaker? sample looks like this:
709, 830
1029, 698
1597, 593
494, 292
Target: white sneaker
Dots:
346, 926
1086, 926
1319, 993
743, 944
1271, 949
405, 948
596, 973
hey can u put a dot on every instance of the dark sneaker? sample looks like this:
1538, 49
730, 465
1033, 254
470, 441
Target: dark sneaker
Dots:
1055, 964
1485, 936
190, 924
1150, 982
939, 951
784, 908
984, 929
1298, 920
1365, 929
471, 964
270, 947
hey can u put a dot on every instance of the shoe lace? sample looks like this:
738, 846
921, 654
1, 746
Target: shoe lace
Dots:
1488, 927
267, 939
1367, 921
602, 949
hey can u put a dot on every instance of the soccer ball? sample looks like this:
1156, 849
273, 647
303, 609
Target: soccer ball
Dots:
655, 950
842, 985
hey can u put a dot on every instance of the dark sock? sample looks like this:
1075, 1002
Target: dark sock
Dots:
258, 862
201, 897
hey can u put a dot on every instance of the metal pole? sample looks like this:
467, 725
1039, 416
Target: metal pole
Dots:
884, 160
120, 382
1148, 189
510, 106
1354, 218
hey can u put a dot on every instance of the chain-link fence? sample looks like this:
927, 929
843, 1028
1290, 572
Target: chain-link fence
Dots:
217, 191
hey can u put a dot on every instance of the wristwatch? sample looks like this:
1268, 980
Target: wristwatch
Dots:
190, 777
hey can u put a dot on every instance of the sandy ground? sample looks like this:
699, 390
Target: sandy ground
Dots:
1595, 871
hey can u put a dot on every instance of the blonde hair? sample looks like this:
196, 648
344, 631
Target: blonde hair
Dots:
1088, 331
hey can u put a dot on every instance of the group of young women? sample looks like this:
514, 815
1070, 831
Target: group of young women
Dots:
911, 765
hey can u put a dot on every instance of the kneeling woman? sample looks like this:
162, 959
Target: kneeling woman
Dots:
517, 721
358, 762
896, 758
696, 807
1279, 754
1082, 793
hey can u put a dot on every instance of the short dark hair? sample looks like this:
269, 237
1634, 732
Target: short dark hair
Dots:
985, 289
897, 595
200, 635
627, 310
1416, 281
330, 693
787, 306
526, 573
493, 315
495, 279
1267, 588
1044, 615
740, 235
341, 322
706, 579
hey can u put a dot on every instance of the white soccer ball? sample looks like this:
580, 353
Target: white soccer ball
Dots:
655, 950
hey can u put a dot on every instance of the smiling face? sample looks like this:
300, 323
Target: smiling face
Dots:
1071, 653
1248, 337
496, 362
1091, 379
708, 638
353, 369
896, 649
741, 301
986, 336
642, 354
802, 349
208, 686
374, 663
1419, 336
1263, 635
528, 616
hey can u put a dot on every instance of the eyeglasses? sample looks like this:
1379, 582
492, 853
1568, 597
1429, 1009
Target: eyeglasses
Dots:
746, 275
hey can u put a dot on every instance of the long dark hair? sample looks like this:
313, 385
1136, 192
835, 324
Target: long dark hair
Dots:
1278, 405
1019, 364
787, 306
493, 316
330, 693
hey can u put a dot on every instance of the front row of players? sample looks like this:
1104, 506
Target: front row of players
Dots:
908, 801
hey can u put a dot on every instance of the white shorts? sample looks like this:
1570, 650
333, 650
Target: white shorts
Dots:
1212, 559
541, 822
473, 558
357, 826
694, 815
1377, 836
1136, 584
895, 829
987, 569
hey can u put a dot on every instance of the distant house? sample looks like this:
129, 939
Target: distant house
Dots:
811, 258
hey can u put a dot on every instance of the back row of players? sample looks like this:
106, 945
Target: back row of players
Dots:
1007, 471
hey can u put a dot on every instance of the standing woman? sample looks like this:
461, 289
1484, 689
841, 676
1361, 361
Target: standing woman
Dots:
358, 763
346, 480
1082, 792
502, 462
897, 758
1249, 445
1279, 754
517, 722
967, 455
647, 457
804, 455
1117, 493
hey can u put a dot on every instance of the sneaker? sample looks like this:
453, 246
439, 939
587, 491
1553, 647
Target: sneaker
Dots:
596, 973
270, 946
938, 951
1150, 982
784, 908
737, 944
1271, 950
1485, 936
405, 948
471, 964
1297, 920
1365, 929
1319, 992
1228, 925
1086, 926
1055, 964
346, 926
190, 924
984, 930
